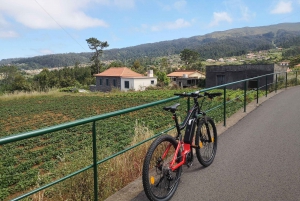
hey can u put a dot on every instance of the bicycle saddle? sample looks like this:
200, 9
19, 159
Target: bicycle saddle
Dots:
172, 108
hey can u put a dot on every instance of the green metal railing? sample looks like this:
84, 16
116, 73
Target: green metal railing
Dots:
94, 119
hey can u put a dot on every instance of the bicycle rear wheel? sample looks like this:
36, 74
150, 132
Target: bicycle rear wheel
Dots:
160, 183
206, 138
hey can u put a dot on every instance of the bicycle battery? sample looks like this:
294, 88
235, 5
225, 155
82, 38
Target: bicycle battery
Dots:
189, 131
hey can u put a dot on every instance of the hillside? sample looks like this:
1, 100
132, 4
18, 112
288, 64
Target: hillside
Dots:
232, 42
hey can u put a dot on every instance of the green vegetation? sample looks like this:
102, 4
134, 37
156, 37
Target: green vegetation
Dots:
48, 61
34, 162
97, 46
72, 79
13, 79
295, 61
191, 59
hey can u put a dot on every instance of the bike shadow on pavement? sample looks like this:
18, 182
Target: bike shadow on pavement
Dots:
196, 167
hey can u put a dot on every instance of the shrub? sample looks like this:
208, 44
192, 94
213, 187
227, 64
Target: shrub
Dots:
69, 89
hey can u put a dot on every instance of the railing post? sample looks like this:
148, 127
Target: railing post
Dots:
286, 79
95, 162
224, 103
188, 105
245, 94
266, 86
276, 84
257, 91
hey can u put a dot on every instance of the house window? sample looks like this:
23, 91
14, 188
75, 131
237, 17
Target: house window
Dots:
114, 82
220, 79
126, 83
107, 83
100, 81
152, 81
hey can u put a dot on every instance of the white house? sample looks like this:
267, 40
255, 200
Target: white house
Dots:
124, 79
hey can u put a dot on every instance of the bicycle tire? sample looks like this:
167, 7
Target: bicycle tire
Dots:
159, 182
207, 149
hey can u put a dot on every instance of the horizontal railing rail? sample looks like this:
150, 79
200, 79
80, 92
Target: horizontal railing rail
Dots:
94, 119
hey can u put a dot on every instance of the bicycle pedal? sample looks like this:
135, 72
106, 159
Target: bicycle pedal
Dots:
189, 164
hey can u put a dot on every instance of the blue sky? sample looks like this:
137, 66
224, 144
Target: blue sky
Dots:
37, 27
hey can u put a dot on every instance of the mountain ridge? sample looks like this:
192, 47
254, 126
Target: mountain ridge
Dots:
232, 42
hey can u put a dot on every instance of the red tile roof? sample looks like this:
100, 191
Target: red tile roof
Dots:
119, 72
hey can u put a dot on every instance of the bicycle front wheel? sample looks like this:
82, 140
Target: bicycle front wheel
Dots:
206, 138
159, 181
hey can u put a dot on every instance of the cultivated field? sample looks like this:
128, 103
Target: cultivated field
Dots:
31, 163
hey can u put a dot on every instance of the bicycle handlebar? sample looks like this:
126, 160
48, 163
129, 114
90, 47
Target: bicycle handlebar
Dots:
198, 95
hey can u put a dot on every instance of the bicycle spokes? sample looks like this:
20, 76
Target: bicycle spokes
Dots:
207, 142
159, 180
206, 138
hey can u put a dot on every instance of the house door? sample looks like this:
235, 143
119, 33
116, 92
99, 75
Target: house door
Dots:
180, 84
220, 79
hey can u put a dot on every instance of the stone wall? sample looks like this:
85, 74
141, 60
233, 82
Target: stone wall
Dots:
104, 87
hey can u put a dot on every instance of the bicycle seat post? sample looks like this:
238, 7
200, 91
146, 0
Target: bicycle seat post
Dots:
176, 123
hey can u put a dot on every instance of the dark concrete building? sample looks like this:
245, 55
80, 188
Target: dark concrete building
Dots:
218, 75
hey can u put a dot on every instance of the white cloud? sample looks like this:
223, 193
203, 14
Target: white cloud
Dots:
128, 4
8, 34
45, 51
124, 4
246, 14
220, 17
142, 29
178, 24
178, 5
282, 7
3, 22
44, 14
239, 9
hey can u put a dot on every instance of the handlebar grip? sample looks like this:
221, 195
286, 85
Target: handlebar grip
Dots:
198, 95
212, 95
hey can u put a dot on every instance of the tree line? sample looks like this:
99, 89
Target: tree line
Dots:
12, 79
210, 46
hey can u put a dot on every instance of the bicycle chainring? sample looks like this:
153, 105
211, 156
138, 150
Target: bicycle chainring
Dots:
189, 159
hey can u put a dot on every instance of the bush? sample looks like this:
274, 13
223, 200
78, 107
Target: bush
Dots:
201, 83
69, 89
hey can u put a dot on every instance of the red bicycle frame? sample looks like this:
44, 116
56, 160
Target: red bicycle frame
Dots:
186, 148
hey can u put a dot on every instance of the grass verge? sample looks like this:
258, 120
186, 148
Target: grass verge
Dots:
113, 174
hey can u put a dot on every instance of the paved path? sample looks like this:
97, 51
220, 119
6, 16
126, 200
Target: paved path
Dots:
257, 159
